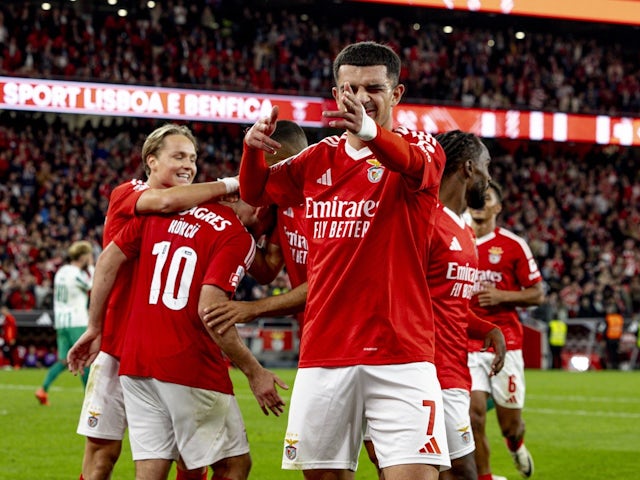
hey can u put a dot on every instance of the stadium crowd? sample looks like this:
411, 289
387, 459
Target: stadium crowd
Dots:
568, 67
577, 207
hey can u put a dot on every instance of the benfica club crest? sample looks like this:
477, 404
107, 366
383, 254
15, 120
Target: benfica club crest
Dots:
92, 421
290, 450
495, 254
374, 173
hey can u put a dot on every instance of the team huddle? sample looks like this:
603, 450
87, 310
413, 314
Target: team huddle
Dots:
407, 310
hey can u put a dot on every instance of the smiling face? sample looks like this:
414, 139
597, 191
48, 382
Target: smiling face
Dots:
174, 163
373, 87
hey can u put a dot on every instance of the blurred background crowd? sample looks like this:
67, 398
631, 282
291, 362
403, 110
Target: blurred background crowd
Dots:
578, 206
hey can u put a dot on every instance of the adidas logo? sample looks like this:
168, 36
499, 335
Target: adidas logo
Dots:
325, 179
512, 399
455, 245
288, 212
431, 447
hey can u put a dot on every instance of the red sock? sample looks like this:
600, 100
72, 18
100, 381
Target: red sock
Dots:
181, 475
81, 477
514, 446
486, 476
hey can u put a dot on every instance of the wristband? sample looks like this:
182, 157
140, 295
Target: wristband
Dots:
369, 129
231, 184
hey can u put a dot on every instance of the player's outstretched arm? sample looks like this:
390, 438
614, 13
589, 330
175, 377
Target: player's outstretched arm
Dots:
254, 170
223, 315
262, 382
183, 197
85, 350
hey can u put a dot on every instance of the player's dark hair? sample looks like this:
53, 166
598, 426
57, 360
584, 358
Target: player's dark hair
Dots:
291, 137
290, 133
496, 188
459, 147
367, 54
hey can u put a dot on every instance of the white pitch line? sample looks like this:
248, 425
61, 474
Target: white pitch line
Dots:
581, 398
583, 413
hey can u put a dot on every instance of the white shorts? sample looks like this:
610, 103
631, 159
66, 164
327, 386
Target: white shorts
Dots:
103, 413
508, 387
167, 420
330, 407
457, 422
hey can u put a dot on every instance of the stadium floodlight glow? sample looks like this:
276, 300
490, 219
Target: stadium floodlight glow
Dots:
579, 363
520, 35
447, 29
151, 4
112, 2
416, 26
46, 6
491, 42
122, 12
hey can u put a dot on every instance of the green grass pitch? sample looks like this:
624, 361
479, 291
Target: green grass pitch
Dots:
580, 426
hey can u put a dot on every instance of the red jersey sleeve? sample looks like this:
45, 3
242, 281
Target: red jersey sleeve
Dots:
413, 153
129, 237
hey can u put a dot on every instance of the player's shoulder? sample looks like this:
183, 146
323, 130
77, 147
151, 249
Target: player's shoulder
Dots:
133, 185
509, 236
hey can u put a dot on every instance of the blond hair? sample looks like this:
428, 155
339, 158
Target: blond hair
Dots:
78, 249
155, 141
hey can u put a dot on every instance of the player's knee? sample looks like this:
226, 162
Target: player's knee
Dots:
512, 429
464, 468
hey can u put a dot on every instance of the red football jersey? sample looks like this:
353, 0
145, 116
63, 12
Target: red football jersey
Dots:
364, 307
293, 241
505, 261
122, 207
451, 273
177, 255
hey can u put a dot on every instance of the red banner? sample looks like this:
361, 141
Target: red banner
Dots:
231, 107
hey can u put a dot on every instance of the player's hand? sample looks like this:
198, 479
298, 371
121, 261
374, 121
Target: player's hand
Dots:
263, 385
495, 339
259, 135
351, 113
224, 315
488, 295
84, 351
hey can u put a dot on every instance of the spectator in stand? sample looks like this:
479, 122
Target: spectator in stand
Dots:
71, 286
22, 297
8, 336
508, 277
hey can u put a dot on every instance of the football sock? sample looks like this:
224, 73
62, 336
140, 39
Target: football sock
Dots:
55, 370
182, 475
486, 476
514, 445
81, 477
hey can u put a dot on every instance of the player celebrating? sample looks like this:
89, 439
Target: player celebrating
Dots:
170, 171
286, 245
368, 337
508, 277
451, 271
